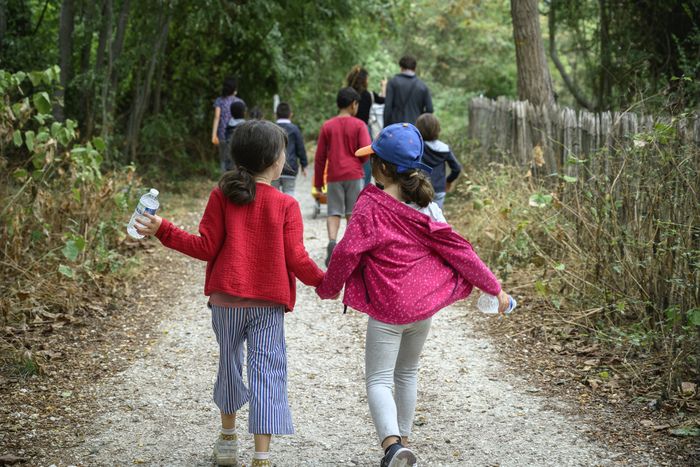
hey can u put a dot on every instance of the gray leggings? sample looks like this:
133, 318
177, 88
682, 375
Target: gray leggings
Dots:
392, 354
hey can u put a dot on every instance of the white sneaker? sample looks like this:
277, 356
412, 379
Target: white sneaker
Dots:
226, 450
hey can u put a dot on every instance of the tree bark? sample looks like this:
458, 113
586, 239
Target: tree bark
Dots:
3, 24
86, 101
158, 89
98, 77
41, 18
65, 50
570, 85
605, 86
142, 92
105, 34
118, 43
112, 75
534, 80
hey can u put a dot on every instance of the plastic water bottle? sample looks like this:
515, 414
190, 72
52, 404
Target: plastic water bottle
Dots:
148, 203
489, 304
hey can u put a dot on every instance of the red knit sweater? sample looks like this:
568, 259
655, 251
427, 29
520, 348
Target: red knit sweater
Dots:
253, 251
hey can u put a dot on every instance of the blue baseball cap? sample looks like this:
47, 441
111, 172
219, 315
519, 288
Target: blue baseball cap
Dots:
399, 143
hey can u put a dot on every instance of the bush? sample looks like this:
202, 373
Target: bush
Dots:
616, 249
61, 219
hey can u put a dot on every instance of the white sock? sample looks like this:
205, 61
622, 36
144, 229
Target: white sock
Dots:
228, 431
261, 455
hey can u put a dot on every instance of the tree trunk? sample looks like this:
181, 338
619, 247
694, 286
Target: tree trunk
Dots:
65, 50
111, 76
106, 82
105, 33
605, 86
98, 77
142, 93
3, 24
158, 89
86, 101
571, 86
534, 80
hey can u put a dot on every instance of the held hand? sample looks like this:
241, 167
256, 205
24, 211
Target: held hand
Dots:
215, 140
303, 171
335, 297
448, 187
148, 224
503, 302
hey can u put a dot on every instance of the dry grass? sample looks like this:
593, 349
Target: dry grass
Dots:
604, 277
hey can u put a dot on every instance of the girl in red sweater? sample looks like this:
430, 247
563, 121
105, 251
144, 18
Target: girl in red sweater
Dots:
251, 236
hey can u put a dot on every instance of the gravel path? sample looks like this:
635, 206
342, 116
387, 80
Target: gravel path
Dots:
160, 412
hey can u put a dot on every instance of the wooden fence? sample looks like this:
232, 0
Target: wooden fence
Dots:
545, 138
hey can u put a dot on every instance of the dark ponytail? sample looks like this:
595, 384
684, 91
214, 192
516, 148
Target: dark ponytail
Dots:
255, 146
415, 185
238, 185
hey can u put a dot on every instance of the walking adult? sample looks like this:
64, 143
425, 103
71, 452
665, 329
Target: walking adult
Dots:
406, 95
222, 115
358, 79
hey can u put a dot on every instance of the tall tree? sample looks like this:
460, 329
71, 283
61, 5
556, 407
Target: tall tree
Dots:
65, 52
534, 80
554, 55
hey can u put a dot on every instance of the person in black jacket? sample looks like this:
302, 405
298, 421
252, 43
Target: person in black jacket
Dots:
406, 96
358, 79
296, 152
436, 154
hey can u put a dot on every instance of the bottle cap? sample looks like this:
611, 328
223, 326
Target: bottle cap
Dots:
154, 192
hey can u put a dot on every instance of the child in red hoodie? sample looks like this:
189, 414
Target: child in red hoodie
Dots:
251, 236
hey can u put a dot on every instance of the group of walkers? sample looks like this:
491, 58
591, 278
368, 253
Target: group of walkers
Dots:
398, 261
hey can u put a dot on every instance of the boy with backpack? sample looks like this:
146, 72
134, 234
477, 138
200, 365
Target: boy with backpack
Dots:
338, 140
296, 153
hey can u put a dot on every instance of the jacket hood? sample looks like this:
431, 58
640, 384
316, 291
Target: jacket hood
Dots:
437, 146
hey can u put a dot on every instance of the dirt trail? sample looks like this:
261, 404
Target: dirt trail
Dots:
160, 412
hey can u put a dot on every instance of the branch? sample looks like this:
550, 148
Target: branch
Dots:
575, 90
41, 18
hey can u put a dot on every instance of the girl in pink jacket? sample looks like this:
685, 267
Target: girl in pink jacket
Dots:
400, 264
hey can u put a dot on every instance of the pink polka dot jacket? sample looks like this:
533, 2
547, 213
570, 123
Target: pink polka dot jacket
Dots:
398, 265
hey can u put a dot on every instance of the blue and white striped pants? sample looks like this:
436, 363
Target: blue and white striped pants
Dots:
263, 329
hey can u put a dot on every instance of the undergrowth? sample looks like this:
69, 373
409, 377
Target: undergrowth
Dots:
614, 253
64, 253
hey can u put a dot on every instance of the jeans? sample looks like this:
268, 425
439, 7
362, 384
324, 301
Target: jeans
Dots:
224, 156
392, 354
439, 198
285, 184
368, 173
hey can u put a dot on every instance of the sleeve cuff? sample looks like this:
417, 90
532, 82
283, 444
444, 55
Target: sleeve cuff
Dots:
164, 227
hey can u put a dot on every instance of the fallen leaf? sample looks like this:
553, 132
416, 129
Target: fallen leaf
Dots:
688, 388
538, 156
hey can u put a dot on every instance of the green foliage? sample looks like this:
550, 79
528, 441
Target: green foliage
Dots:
61, 218
619, 240
643, 51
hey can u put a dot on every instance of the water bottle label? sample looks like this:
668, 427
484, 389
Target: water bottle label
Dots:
140, 208
150, 211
